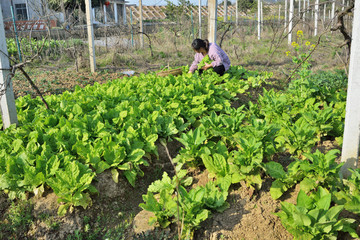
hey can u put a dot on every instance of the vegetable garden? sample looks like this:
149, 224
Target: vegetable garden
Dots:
193, 156
115, 127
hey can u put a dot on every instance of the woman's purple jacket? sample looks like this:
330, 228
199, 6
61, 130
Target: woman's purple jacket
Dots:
216, 54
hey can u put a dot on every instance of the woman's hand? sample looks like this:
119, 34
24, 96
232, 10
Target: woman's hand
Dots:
190, 72
207, 66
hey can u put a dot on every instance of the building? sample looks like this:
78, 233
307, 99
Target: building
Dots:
25, 9
29, 14
35, 14
112, 11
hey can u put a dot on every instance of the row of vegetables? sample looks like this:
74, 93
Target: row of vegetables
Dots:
116, 125
43, 47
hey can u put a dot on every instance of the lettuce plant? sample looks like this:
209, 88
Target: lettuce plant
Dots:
313, 217
171, 202
349, 193
70, 184
318, 170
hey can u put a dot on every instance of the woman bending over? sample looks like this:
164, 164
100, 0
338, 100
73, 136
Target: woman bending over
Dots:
220, 61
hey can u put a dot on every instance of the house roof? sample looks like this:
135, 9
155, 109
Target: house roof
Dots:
158, 13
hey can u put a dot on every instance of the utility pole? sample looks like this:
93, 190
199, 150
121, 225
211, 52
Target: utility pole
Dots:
141, 25
7, 99
212, 9
90, 31
350, 148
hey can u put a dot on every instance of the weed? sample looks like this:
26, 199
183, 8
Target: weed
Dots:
17, 220
98, 228
50, 221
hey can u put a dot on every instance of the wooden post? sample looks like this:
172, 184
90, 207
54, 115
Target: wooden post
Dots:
212, 9
316, 17
259, 19
324, 12
90, 31
141, 25
350, 148
7, 100
291, 15
200, 19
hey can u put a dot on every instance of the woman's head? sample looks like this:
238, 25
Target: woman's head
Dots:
197, 44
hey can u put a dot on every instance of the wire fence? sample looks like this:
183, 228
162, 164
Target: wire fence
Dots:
178, 30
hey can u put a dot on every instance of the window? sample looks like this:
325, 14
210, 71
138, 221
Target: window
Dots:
21, 13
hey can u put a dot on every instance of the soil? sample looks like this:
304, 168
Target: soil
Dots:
56, 81
249, 217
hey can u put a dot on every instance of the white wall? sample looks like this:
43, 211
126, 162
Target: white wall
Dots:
34, 9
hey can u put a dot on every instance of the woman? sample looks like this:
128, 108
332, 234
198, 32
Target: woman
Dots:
221, 62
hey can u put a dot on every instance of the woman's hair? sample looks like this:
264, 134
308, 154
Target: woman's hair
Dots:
199, 43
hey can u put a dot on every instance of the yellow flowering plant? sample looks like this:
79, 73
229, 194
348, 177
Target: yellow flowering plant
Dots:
301, 50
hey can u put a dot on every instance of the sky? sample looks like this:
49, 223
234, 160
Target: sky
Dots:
163, 2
